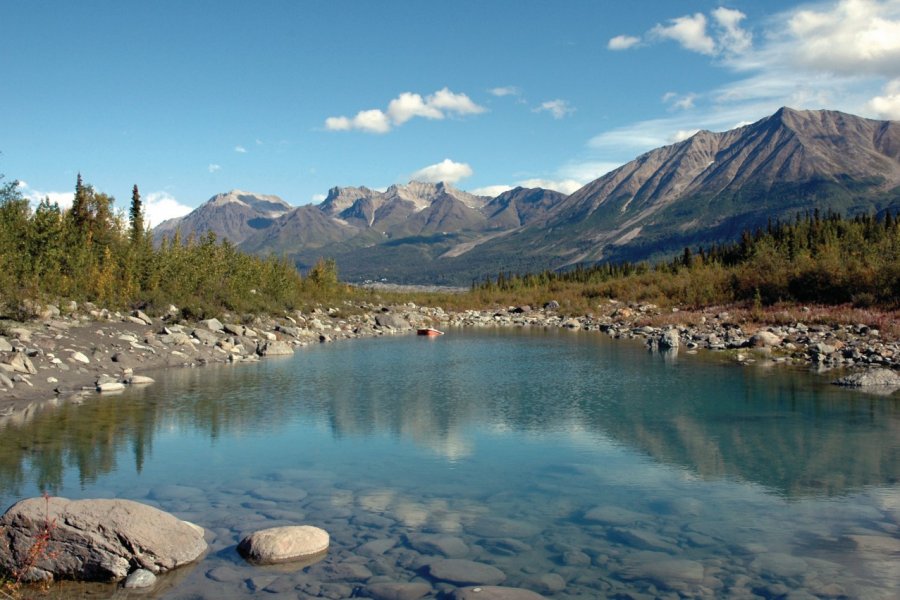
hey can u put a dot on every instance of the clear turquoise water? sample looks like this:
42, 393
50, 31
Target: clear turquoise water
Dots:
526, 447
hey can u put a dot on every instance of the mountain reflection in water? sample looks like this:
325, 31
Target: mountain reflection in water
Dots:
781, 429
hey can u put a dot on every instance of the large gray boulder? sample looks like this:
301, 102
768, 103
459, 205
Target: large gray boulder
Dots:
391, 321
94, 540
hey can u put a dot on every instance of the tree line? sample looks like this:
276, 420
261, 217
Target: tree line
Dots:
816, 258
91, 252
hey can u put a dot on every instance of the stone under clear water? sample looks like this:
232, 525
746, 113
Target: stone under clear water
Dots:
560, 462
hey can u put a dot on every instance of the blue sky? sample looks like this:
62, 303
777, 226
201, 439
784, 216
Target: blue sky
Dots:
190, 98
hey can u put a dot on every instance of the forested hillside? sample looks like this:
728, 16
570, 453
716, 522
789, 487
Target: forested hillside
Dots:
92, 253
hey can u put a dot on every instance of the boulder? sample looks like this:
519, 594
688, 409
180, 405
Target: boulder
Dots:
141, 317
391, 321
140, 579
764, 339
284, 544
80, 357
205, 336
493, 593
95, 540
669, 340
871, 378
274, 348
6, 381
233, 329
5, 346
21, 364
212, 324
139, 380
110, 386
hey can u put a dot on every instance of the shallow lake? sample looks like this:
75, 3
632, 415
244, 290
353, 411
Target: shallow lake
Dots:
580, 467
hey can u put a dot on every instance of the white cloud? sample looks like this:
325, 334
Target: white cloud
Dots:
682, 134
848, 37
728, 38
564, 186
338, 124
491, 191
689, 31
684, 102
587, 171
404, 107
408, 105
159, 206
34, 197
373, 121
446, 170
212, 168
504, 91
558, 108
732, 39
623, 42
318, 198
567, 180
840, 54
455, 103
240, 150
887, 105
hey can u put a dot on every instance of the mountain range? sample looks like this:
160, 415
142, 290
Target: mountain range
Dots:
705, 189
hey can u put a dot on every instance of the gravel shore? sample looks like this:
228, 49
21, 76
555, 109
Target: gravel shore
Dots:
64, 356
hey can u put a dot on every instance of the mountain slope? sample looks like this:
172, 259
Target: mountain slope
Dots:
235, 216
703, 190
711, 186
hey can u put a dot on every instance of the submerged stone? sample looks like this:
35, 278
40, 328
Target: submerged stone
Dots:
465, 572
284, 544
494, 593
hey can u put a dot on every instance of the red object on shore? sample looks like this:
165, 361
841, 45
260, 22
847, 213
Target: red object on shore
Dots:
430, 331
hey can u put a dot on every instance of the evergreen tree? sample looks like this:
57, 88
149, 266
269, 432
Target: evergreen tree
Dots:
136, 216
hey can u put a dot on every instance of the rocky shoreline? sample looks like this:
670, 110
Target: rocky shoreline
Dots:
67, 354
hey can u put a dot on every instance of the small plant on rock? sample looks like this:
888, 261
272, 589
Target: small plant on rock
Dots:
11, 584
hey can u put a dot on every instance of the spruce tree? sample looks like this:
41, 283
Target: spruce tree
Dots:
79, 205
136, 216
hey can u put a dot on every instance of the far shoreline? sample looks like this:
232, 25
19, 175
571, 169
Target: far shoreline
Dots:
118, 345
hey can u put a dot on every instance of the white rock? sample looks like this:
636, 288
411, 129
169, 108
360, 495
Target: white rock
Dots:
284, 544
78, 356
111, 386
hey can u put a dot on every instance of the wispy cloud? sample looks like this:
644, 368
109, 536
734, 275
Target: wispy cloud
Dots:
566, 180
842, 54
623, 42
213, 167
240, 150
558, 108
719, 34
446, 170
505, 91
406, 106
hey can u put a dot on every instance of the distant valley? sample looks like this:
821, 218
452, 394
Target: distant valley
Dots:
703, 190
